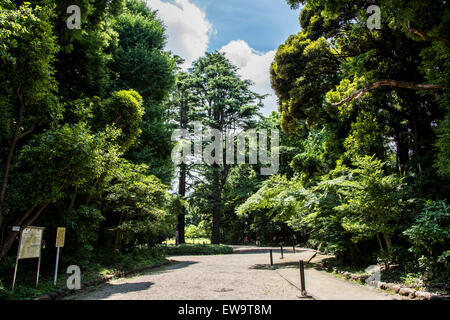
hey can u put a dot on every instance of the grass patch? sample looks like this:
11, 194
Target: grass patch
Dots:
196, 249
25, 283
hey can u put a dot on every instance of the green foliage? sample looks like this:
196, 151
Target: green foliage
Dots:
214, 94
347, 206
317, 88
443, 144
98, 267
27, 85
27, 51
393, 255
124, 110
82, 228
83, 63
361, 162
197, 249
140, 62
372, 199
62, 157
140, 256
71, 105
203, 230
429, 236
135, 204
302, 71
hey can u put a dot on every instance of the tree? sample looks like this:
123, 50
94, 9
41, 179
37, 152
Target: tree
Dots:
141, 63
225, 103
27, 86
83, 63
52, 163
364, 74
429, 236
134, 205
181, 106
70, 112
371, 200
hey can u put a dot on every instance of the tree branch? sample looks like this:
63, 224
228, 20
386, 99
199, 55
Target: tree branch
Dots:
388, 83
425, 36
12, 148
29, 131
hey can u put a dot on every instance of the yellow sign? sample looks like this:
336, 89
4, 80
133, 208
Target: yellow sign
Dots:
60, 236
30, 243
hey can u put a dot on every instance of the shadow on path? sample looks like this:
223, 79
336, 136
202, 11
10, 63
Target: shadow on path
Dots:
110, 289
174, 265
262, 250
279, 265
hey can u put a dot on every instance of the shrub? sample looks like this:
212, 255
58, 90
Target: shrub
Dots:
4, 293
196, 232
429, 236
197, 249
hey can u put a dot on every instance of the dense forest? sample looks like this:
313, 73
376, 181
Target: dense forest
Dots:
87, 120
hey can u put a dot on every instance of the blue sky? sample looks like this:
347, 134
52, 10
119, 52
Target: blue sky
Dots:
247, 31
263, 24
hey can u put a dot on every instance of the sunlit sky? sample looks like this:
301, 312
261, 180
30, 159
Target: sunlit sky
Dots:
247, 31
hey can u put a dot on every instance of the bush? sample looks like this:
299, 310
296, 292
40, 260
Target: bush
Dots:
140, 256
196, 232
430, 236
197, 249
392, 255
4, 293
135, 208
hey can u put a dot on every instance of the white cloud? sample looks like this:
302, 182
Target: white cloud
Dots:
188, 33
255, 66
188, 30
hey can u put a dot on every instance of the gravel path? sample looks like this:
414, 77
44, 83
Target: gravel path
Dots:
244, 275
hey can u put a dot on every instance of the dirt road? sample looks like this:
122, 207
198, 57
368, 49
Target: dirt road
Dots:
244, 275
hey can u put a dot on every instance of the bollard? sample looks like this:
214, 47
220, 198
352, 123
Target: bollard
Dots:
293, 245
302, 277
281, 251
271, 259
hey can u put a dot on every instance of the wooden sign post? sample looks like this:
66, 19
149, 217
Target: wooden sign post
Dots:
30, 243
60, 237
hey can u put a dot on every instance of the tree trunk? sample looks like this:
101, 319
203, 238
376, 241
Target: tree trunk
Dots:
6, 245
182, 214
215, 239
8, 161
379, 242
1, 229
12, 149
387, 239
402, 151
116, 242
352, 254
217, 204
182, 180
